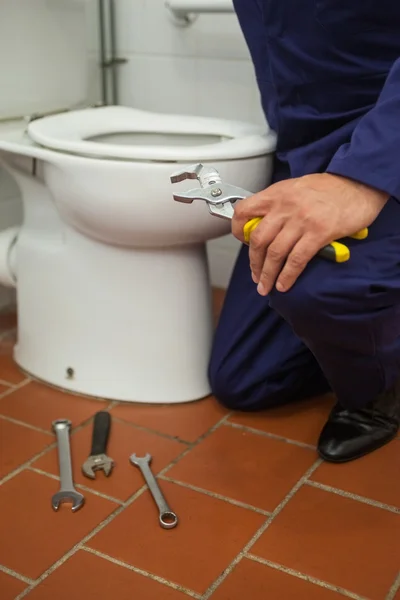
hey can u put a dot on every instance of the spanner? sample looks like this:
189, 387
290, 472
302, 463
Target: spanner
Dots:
168, 519
67, 492
221, 198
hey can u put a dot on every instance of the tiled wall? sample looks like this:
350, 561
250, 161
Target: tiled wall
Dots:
203, 69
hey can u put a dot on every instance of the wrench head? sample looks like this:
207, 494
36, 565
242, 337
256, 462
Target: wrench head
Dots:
95, 463
168, 520
73, 497
138, 460
61, 424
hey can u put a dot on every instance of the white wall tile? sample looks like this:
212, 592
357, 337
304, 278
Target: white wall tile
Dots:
10, 212
92, 25
228, 89
146, 27
222, 255
155, 83
215, 88
8, 187
94, 79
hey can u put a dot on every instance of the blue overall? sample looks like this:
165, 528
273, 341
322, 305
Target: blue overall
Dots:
329, 78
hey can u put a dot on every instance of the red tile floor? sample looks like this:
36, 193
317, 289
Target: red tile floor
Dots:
261, 517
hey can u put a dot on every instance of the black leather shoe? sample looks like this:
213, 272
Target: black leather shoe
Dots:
350, 434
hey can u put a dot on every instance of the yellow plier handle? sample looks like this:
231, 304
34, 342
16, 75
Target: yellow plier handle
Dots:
335, 251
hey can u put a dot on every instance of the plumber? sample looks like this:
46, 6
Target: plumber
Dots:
295, 325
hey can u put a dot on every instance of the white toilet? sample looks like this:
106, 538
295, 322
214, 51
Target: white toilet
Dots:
111, 274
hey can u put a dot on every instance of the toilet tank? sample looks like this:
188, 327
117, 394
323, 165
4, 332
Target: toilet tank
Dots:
43, 56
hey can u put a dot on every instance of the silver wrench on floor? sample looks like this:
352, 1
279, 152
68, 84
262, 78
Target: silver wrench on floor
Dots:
67, 493
168, 519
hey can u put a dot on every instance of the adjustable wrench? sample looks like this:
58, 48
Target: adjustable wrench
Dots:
221, 197
98, 458
67, 492
168, 519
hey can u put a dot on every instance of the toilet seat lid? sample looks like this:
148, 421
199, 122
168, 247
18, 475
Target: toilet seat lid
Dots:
178, 138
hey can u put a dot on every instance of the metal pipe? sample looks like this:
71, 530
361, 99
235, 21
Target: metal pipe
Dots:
109, 59
114, 60
103, 51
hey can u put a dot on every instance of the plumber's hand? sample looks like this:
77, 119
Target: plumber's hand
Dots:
301, 217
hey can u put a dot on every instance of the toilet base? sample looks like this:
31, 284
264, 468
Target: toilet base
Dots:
114, 322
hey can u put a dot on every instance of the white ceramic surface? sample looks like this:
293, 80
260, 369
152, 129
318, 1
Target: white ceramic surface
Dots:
111, 273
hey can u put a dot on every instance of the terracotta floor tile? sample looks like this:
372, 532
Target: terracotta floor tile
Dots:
302, 421
9, 371
258, 582
244, 466
39, 405
4, 388
10, 587
125, 479
99, 579
37, 536
210, 534
375, 476
336, 539
184, 421
18, 444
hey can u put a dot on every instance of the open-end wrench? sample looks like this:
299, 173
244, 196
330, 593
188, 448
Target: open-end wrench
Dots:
168, 519
67, 492
98, 458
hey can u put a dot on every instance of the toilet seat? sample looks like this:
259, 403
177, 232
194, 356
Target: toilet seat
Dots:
73, 132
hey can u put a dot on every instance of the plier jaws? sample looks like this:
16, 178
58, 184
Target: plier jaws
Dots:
220, 197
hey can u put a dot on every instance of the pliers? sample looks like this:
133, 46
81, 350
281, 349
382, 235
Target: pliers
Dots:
221, 197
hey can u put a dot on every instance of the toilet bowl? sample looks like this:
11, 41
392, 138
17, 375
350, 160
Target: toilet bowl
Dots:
113, 292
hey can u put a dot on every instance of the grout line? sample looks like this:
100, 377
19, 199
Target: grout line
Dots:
6, 383
16, 575
14, 388
157, 55
350, 495
238, 503
78, 486
24, 424
149, 430
113, 404
152, 576
272, 436
193, 445
394, 589
100, 494
261, 530
309, 578
26, 464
